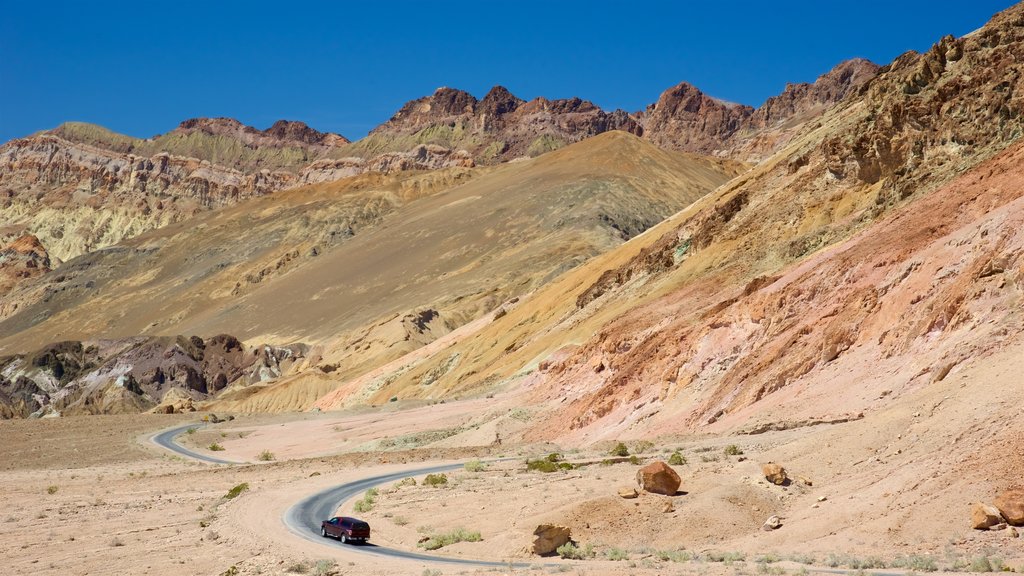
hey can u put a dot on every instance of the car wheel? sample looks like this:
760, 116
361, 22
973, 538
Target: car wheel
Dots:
343, 538
323, 532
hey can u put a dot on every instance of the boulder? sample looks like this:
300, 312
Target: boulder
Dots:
548, 537
659, 478
984, 516
628, 492
774, 473
1011, 505
772, 523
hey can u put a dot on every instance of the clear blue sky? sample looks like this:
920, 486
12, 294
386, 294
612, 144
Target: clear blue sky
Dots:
142, 67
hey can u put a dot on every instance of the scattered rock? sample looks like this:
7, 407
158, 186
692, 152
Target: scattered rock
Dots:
774, 473
658, 477
984, 516
628, 492
1012, 532
805, 481
548, 537
1011, 505
668, 507
772, 523
999, 527
822, 498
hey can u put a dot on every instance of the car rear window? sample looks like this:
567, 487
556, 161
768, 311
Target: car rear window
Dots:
360, 526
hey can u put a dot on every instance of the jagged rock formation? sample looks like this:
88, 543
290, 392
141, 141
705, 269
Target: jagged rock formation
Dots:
684, 118
498, 128
20, 260
132, 375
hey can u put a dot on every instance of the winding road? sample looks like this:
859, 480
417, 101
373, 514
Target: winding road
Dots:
303, 518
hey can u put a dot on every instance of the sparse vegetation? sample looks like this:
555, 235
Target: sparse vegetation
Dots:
324, 567
435, 541
916, 563
400, 520
642, 446
616, 554
475, 466
215, 447
266, 456
726, 557
673, 555
619, 450
234, 492
547, 465
570, 551
732, 450
634, 460
435, 480
367, 502
52, 489
405, 482
191, 431
676, 459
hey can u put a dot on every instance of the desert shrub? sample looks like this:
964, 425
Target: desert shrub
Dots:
266, 456
191, 431
553, 457
324, 567
367, 502
232, 571
642, 446
619, 450
985, 564
769, 558
405, 482
435, 541
727, 557
616, 554
215, 447
732, 450
298, 568
234, 492
570, 551
52, 489
673, 555
435, 479
916, 563
676, 459
547, 466
475, 466
634, 460
400, 520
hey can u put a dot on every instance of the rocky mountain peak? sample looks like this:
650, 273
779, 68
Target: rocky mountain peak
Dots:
499, 101
280, 133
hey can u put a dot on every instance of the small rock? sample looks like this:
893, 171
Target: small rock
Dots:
822, 498
984, 516
772, 523
1011, 504
548, 537
668, 507
659, 478
628, 492
1012, 532
999, 527
815, 506
805, 481
774, 473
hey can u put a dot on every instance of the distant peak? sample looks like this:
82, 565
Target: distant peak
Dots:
499, 101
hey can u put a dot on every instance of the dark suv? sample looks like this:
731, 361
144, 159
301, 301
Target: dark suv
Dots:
345, 529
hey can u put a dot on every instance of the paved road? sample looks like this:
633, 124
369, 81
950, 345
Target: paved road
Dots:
304, 518
166, 438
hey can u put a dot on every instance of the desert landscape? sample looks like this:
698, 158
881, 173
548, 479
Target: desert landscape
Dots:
530, 336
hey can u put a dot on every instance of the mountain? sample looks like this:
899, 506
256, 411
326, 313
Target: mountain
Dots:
371, 267
498, 128
81, 187
878, 252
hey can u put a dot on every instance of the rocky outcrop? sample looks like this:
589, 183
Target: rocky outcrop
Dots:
281, 134
684, 118
1011, 505
498, 128
984, 516
658, 478
135, 374
548, 537
23, 258
422, 157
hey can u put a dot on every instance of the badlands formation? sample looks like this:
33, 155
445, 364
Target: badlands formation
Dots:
697, 338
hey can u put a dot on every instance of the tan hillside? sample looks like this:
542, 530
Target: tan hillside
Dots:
374, 265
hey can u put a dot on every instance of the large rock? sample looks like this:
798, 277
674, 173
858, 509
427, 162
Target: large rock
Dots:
658, 477
774, 473
548, 537
984, 516
1011, 505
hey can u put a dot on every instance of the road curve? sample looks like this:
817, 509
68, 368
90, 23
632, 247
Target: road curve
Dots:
303, 518
166, 438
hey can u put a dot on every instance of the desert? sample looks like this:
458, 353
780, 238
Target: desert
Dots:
528, 334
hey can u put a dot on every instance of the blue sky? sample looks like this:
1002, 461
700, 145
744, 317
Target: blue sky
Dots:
142, 67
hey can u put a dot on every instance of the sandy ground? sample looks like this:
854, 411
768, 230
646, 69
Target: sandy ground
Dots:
89, 495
